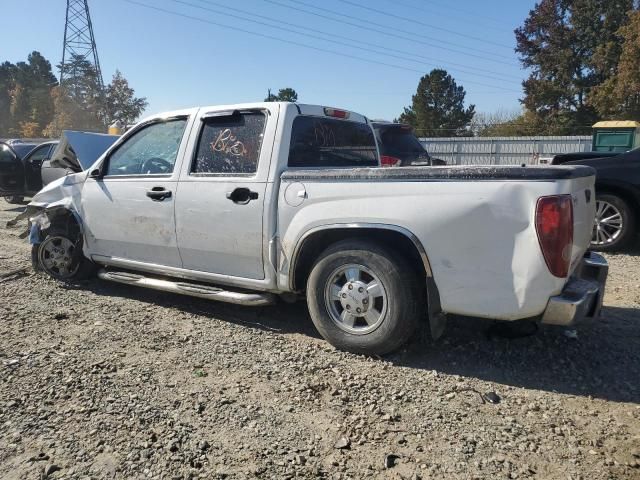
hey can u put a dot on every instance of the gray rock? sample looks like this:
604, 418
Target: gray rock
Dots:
342, 443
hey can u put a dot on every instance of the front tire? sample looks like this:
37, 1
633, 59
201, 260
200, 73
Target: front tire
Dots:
363, 298
61, 257
614, 226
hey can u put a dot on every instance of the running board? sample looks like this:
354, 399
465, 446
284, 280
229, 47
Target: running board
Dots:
191, 289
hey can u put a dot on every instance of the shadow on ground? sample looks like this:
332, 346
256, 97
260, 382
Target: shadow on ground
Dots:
602, 362
18, 209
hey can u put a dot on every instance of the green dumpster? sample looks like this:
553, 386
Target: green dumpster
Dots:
616, 136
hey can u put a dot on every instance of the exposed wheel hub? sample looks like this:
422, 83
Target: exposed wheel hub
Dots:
354, 297
56, 256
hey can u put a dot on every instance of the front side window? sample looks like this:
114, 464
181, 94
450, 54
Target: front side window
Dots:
152, 150
327, 142
230, 144
39, 154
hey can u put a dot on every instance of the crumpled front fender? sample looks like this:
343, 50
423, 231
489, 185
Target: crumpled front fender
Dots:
61, 194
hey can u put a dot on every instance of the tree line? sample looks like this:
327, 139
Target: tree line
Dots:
34, 104
583, 58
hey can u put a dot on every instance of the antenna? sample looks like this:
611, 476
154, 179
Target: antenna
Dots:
78, 38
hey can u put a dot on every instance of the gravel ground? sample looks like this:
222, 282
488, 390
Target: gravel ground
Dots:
103, 381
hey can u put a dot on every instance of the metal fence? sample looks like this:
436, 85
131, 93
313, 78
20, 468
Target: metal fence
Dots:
502, 150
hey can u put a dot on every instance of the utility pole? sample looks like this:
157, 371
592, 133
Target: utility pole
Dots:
79, 41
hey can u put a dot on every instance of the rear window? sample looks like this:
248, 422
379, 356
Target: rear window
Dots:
400, 140
327, 142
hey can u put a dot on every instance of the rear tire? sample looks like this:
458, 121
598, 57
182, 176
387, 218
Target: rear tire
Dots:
615, 223
363, 298
61, 257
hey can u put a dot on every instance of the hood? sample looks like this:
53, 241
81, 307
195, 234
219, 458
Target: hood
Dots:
77, 151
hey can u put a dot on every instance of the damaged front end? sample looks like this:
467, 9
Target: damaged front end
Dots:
56, 205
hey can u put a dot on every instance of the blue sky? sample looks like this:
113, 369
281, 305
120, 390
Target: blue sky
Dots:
365, 59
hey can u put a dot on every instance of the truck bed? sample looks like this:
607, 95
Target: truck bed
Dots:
476, 224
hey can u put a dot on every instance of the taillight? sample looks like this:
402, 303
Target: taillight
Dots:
554, 225
388, 161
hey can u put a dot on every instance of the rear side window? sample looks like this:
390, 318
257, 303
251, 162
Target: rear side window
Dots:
230, 144
327, 142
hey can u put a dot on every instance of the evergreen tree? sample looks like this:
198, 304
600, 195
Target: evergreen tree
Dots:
438, 107
284, 95
122, 104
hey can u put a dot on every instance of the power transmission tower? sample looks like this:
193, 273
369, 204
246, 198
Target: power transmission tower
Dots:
79, 41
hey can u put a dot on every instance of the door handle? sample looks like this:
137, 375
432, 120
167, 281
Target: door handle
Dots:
242, 195
158, 194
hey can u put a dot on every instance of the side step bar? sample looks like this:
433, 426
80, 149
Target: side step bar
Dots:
191, 289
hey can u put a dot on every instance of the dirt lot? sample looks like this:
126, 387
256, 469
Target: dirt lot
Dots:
103, 381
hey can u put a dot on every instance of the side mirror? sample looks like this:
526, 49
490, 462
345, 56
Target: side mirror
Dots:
96, 173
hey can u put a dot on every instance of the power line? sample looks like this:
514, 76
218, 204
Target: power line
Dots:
386, 31
291, 42
468, 13
327, 37
423, 24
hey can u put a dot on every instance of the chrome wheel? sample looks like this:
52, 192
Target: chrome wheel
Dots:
56, 257
356, 299
608, 224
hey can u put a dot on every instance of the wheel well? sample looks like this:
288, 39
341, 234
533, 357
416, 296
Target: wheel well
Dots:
318, 242
627, 196
64, 220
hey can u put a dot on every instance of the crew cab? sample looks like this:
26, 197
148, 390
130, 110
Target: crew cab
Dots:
247, 203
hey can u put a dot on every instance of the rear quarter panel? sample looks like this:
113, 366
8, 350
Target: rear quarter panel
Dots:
479, 236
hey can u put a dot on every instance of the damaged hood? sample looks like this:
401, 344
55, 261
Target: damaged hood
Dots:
77, 151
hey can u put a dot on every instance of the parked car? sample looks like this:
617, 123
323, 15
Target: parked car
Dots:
12, 170
617, 218
399, 146
246, 202
24, 175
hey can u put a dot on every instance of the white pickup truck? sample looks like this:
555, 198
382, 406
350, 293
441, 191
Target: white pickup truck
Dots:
245, 203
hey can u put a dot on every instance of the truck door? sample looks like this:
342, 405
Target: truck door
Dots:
221, 195
11, 172
128, 210
33, 165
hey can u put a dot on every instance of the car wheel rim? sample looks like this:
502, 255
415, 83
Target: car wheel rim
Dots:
608, 224
56, 257
356, 299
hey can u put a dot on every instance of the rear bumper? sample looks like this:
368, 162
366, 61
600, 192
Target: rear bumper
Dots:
582, 296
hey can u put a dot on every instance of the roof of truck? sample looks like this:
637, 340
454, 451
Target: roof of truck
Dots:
303, 109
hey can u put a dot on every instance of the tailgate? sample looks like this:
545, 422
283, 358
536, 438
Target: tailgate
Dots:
584, 210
